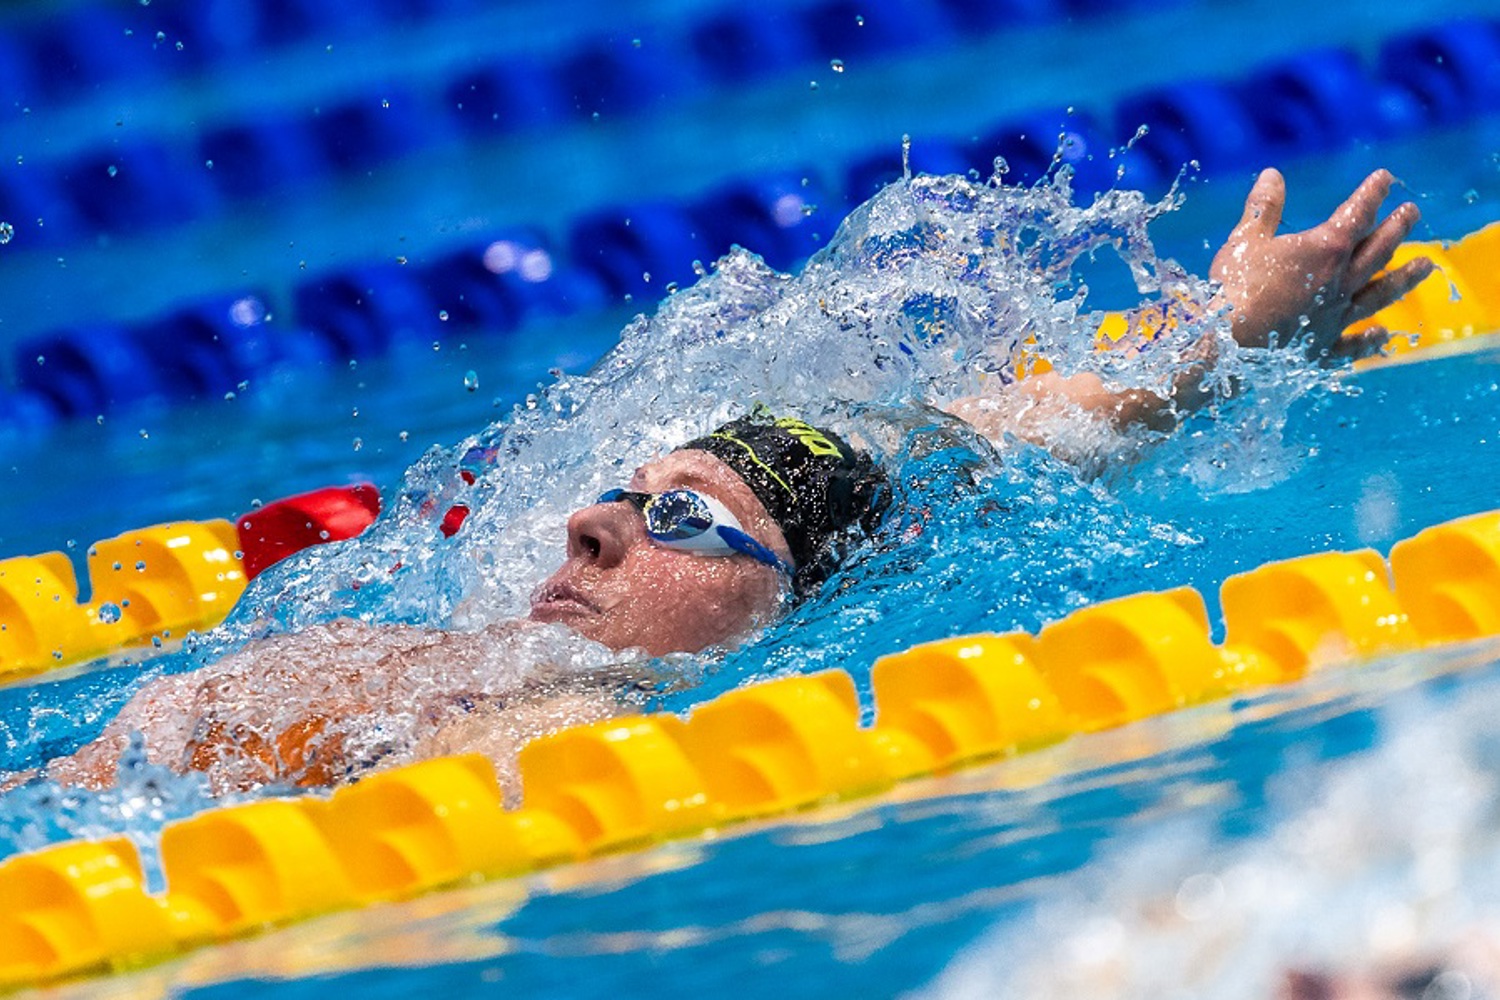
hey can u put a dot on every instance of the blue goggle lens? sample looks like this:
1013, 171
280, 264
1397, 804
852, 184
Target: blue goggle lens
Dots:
681, 515
677, 514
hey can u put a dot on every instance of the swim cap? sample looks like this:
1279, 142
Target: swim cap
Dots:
809, 480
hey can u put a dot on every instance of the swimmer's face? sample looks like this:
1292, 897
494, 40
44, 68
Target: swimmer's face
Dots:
620, 589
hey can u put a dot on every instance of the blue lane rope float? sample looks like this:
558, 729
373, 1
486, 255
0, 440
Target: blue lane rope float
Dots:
1303, 103
1306, 102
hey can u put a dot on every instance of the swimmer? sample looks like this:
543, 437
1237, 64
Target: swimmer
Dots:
703, 546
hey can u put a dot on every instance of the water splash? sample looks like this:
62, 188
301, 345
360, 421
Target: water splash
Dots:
931, 291
143, 798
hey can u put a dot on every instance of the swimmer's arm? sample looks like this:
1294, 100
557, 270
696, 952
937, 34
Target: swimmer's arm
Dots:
1304, 288
182, 717
160, 711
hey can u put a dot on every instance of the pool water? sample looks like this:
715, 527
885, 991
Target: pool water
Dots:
1200, 853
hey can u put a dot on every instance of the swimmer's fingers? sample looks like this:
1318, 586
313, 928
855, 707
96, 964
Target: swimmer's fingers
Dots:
1356, 216
1263, 205
1374, 252
1388, 288
1364, 344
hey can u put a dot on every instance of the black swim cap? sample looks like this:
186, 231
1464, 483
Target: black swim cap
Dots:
809, 480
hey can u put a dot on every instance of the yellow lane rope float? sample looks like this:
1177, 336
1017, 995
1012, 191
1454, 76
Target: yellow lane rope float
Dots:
762, 750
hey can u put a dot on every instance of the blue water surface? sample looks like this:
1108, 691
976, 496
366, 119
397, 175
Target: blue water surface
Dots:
876, 898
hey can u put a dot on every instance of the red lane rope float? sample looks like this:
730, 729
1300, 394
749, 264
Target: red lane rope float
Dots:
158, 583
281, 528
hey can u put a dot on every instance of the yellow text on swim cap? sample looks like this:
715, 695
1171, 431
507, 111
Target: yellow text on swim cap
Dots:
809, 436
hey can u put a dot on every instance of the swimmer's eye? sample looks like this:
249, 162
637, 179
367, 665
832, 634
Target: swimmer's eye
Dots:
677, 515
694, 522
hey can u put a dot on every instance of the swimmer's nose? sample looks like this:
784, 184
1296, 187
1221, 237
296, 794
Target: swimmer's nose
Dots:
603, 533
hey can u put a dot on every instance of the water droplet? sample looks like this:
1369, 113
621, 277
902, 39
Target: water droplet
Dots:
471, 380
646, 277
671, 288
179, 46
385, 103
145, 434
401, 261
358, 443
354, 412
140, 566
812, 85
7, 232
109, 612
161, 36
229, 396
41, 359
209, 164
405, 435
635, 43
837, 65
117, 567
324, 534
443, 315
699, 269
1471, 196
859, 20
437, 345
112, 170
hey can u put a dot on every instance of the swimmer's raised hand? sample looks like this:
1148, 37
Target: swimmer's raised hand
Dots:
1307, 288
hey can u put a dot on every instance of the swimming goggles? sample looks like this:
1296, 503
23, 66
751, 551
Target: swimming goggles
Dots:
688, 520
